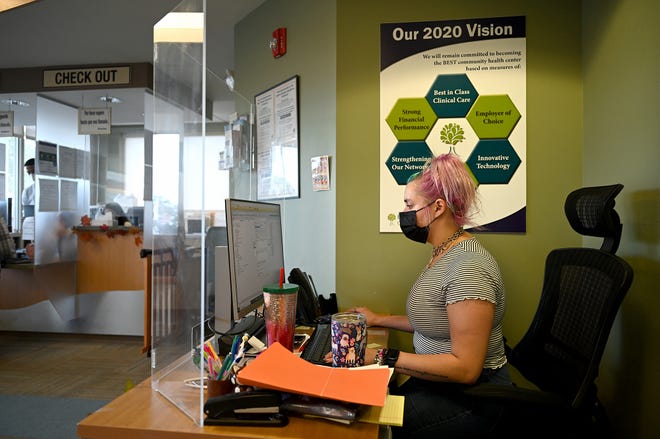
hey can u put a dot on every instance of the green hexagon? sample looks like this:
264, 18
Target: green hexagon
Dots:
406, 159
493, 161
411, 119
493, 116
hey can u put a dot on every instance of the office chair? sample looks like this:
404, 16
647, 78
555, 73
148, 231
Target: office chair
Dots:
561, 351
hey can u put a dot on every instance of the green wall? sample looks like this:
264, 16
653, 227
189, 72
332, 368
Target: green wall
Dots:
621, 132
377, 269
579, 57
308, 221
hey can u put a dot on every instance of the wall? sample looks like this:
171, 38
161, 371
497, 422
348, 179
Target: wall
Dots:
377, 269
602, 54
621, 132
309, 222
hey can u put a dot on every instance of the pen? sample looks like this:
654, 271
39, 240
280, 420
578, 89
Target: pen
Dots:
225, 366
234, 345
241, 350
209, 352
211, 368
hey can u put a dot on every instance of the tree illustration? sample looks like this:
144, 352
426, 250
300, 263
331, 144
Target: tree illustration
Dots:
452, 133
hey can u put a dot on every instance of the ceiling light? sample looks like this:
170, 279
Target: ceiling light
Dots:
15, 102
110, 100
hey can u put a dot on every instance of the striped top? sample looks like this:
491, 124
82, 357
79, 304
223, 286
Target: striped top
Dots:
466, 271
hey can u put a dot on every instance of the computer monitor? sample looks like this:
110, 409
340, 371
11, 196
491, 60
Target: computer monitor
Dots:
135, 215
255, 251
6, 212
215, 236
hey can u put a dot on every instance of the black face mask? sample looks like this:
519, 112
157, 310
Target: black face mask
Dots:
409, 227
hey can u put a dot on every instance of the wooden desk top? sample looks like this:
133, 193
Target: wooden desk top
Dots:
142, 413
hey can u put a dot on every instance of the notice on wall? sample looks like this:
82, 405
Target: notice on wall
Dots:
69, 195
46, 158
278, 141
49, 196
68, 162
94, 120
6, 123
458, 87
321, 173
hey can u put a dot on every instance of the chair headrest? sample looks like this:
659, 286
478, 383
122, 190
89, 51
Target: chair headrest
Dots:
590, 212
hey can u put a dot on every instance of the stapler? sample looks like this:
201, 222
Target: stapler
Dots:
252, 408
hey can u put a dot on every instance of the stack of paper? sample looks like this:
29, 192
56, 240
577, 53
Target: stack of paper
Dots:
279, 369
391, 414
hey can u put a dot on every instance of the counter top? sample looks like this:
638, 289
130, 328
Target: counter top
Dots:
106, 228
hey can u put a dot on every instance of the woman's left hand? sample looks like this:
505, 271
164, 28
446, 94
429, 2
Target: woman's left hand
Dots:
370, 356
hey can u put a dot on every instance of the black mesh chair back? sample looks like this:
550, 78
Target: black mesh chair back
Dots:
561, 351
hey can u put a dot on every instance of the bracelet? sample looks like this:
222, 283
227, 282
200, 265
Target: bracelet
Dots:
380, 355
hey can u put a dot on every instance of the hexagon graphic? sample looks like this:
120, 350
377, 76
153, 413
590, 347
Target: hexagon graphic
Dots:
493, 161
406, 159
451, 95
411, 119
493, 116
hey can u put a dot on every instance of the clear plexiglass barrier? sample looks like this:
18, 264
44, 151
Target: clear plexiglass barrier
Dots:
191, 169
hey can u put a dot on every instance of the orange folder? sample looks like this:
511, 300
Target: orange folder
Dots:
279, 369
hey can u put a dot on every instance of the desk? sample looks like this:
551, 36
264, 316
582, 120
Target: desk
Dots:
143, 413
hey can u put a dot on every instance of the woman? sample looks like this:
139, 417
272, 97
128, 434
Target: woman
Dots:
454, 310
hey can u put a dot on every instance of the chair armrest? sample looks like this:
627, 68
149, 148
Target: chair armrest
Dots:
516, 396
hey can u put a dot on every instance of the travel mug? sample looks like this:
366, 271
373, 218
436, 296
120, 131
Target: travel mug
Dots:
280, 302
349, 339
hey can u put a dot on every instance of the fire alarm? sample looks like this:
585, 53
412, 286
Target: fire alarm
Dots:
278, 42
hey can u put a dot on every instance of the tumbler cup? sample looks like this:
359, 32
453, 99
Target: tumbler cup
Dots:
349, 339
280, 313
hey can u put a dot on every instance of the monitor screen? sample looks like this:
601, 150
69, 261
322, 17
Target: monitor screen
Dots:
255, 250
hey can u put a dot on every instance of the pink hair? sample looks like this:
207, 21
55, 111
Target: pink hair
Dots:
447, 177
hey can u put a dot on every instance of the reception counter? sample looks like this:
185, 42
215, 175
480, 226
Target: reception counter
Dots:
22, 285
101, 291
109, 259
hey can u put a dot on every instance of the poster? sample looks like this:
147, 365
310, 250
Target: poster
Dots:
277, 141
455, 86
321, 173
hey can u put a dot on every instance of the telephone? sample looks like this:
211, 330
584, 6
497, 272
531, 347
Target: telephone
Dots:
308, 309
251, 408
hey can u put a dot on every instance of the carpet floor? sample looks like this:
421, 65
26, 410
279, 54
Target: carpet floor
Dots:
36, 417
50, 382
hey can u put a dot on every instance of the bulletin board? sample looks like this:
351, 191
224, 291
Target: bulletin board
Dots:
278, 141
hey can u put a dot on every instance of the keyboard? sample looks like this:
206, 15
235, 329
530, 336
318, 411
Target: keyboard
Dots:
319, 345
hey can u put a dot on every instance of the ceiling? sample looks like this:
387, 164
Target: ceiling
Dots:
108, 32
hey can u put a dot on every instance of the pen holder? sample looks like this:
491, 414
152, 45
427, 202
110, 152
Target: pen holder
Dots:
218, 387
